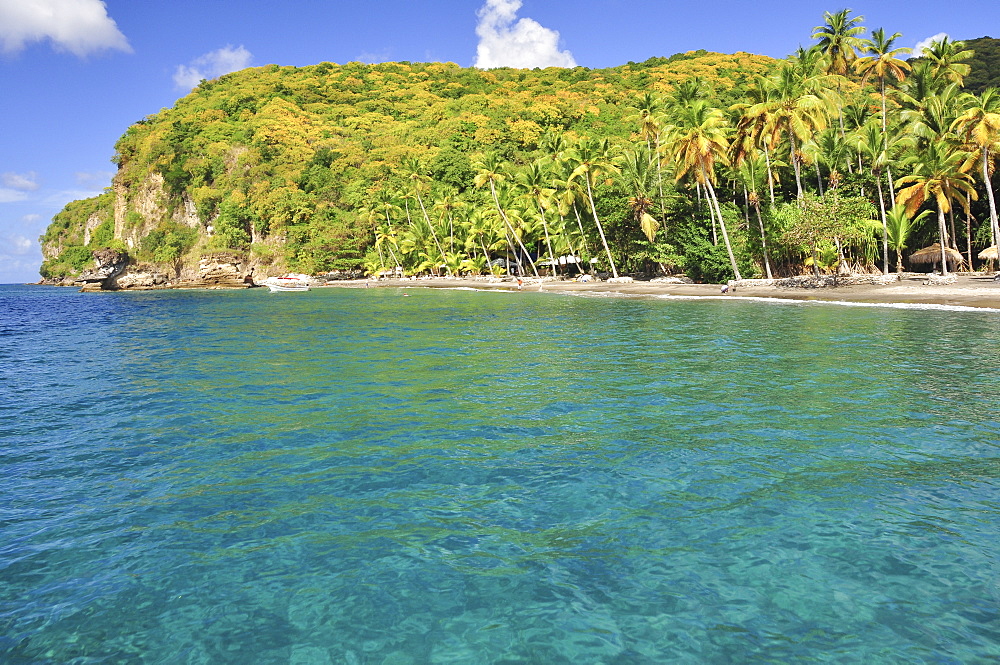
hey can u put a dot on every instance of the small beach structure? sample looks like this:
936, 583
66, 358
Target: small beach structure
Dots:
932, 254
989, 254
570, 264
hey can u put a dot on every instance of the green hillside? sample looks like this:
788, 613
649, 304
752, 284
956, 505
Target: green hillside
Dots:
279, 160
985, 64
708, 164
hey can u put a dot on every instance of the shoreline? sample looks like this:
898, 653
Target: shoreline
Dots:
970, 290
973, 291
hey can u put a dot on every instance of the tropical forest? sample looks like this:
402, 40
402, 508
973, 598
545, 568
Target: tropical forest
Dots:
850, 154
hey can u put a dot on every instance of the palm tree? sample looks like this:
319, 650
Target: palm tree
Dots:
637, 169
795, 109
420, 183
688, 92
838, 41
592, 158
751, 171
979, 127
568, 193
900, 225
701, 140
757, 128
533, 181
921, 83
939, 176
871, 143
651, 129
386, 208
946, 58
880, 61
447, 205
932, 121
490, 171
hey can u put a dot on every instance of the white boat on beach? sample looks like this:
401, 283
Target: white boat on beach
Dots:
286, 284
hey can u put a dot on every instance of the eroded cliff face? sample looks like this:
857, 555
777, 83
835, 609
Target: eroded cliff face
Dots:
93, 222
109, 263
139, 212
135, 213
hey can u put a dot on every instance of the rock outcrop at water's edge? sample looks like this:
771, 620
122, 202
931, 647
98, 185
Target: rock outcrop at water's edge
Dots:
114, 272
109, 263
815, 282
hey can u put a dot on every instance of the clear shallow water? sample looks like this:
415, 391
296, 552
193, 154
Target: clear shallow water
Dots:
357, 477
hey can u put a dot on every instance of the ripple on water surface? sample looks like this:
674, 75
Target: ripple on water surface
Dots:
455, 477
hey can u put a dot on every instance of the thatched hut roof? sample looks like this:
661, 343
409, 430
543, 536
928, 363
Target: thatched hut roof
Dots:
988, 254
932, 254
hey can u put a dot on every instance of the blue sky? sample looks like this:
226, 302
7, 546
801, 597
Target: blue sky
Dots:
75, 73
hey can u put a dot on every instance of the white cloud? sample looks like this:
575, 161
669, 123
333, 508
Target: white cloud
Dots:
58, 199
16, 244
506, 41
211, 65
11, 195
25, 182
78, 26
94, 178
20, 268
918, 50
372, 58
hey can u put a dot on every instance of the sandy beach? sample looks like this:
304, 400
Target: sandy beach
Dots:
975, 290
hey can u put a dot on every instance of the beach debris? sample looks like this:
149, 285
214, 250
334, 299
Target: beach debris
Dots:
939, 280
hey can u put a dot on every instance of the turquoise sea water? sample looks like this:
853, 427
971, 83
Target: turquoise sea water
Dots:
354, 476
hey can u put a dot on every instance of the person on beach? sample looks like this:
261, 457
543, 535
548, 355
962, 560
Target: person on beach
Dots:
519, 283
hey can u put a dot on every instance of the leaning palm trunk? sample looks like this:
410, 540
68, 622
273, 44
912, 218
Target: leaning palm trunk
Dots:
763, 240
659, 178
503, 215
433, 234
943, 232
583, 235
953, 239
394, 257
994, 224
795, 164
885, 227
600, 229
968, 237
770, 177
388, 223
548, 242
713, 199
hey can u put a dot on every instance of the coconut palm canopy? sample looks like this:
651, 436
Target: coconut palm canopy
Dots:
932, 254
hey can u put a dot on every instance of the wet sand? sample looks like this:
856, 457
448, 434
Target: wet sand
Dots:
968, 291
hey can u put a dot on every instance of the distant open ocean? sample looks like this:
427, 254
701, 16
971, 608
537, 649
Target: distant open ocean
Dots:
354, 476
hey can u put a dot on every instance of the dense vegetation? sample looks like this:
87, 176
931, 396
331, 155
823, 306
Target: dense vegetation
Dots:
708, 164
984, 65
